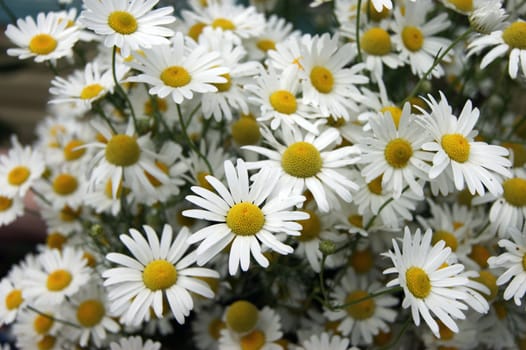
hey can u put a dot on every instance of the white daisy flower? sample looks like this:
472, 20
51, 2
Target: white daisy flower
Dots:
326, 83
514, 261
310, 162
394, 151
245, 215
179, 70
61, 274
276, 31
157, 272
289, 52
428, 287
66, 219
487, 16
326, 341
101, 198
415, 37
46, 39
65, 187
10, 209
34, 326
19, 169
458, 157
207, 327
361, 321
128, 25
508, 41
13, 300
134, 343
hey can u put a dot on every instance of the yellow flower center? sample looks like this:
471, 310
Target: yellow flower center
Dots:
43, 323
122, 150
242, 316
223, 23
245, 131
356, 220
195, 31
362, 310
500, 309
447, 237
524, 262
65, 184
160, 105
413, 38
13, 299
519, 153
301, 159
255, 340
245, 219
58, 280
153, 180
90, 259
69, 214
376, 41
18, 175
462, 5
310, 228
336, 122
175, 76
223, 87
375, 15
375, 186
122, 22
55, 240
445, 333
203, 182
322, 79
383, 338
108, 190
215, 327
418, 282
283, 101
159, 274
396, 113
480, 255
489, 280
515, 191
515, 35
5, 203
71, 152
42, 44
90, 313
398, 152
266, 45
91, 91
46, 343
456, 146
362, 260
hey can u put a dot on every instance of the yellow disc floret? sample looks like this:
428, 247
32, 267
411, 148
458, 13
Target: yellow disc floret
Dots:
396, 113
90, 313
462, 5
375, 186
444, 331
55, 240
13, 299
159, 274
376, 41
58, 280
413, 38
515, 35
322, 79
245, 131
91, 91
122, 150
175, 76
122, 22
71, 152
195, 31
515, 191
65, 184
46, 343
5, 203
310, 228
245, 219
266, 45
375, 15
283, 101
489, 280
418, 282
215, 327
242, 316
42, 323
223, 87
42, 44
449, 238
456, 146
255, 340
301, 159
223, 23
361, 310
18, 175
398, 152
480, 255
524, 262
362, 260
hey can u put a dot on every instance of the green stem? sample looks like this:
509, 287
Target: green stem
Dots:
52, 68
8, 11
119, 88
97, 108
41, 196
398, 336
51, 317
370, 296
371, 220
358, 15
322, 282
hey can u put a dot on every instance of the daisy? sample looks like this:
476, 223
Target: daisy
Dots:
310, 162
19, 169
361, 321
135, 343
207, 328
245, 215
513, 260
458, 158
428, 287
157, 273
508, 41
128, 25
487, 16
46, 39
61, 274
326, 83
66, 187
394, 151
34, 326
179, 70
289, 52
10, 209
276, 31
415, 37
326, 341
13, 300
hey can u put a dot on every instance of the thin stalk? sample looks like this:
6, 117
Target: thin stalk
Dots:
371, 220
398, 336
119, 88
8, 11
52, 317
97, 108
322, 282
41, 196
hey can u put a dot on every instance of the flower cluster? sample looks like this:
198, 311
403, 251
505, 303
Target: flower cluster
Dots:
213, 176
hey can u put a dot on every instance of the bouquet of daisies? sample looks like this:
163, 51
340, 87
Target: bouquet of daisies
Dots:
213, 178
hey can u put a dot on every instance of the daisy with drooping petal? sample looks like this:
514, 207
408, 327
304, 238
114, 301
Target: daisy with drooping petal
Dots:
244, 214
310, 162
128, 25
428, 287
326, 341
46, 39
179, 70
135, 343
458, 158
158, 272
